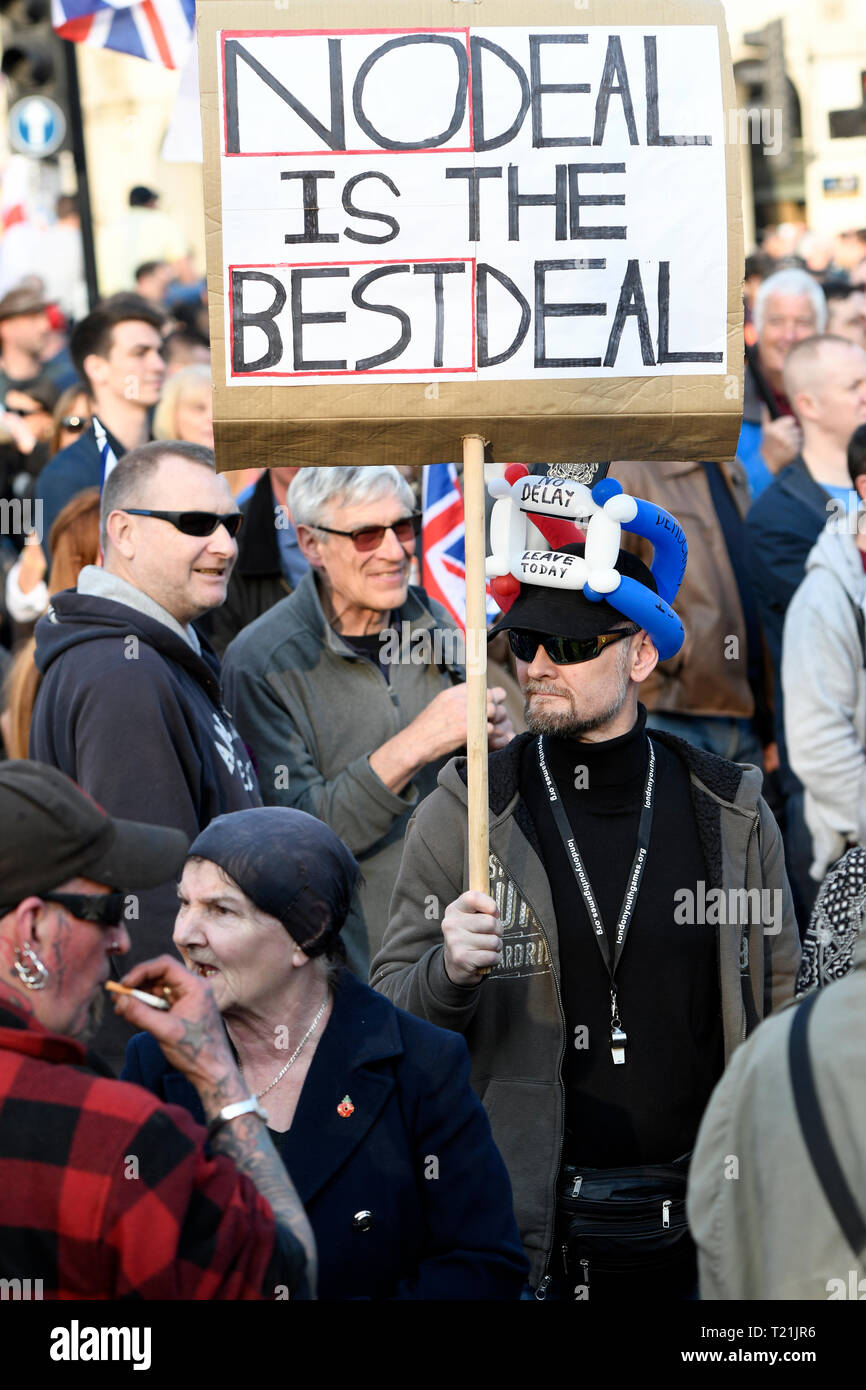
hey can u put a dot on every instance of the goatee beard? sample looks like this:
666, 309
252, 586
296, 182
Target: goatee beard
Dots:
567, 723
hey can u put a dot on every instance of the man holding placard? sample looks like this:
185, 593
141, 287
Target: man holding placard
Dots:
432, 226
350, 692
639, 921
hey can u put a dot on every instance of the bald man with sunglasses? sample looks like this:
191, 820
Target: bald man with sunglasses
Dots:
598, 995
350, 692
130, 705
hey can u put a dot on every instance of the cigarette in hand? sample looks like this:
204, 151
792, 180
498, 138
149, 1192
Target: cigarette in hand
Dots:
141, 994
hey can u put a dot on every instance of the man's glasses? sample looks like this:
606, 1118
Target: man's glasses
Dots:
564, 651
371, 537
194, 523
105, 909
19, 410
74, 422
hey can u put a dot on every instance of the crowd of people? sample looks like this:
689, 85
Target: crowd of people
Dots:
233, 788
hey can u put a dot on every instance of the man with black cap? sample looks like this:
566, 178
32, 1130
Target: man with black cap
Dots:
610, 973
104, 1192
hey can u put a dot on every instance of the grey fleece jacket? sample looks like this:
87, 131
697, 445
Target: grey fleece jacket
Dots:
824, 685
513, 1020
311, 712
768, 1231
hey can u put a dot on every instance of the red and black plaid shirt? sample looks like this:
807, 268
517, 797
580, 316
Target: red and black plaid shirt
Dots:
106, 1193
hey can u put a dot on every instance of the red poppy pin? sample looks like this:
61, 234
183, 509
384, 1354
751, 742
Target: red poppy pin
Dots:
345, 1108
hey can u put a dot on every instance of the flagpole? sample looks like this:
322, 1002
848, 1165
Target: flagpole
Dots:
476, 660
79, 155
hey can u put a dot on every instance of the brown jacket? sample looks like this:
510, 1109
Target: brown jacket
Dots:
709, 675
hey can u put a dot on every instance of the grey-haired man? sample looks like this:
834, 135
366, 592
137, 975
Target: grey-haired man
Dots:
349, 693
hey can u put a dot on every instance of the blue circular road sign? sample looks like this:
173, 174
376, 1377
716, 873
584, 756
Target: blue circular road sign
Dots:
37, 126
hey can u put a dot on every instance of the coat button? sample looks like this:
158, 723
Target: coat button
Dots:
362, 1220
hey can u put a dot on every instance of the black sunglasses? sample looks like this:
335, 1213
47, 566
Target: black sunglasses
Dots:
564, 651
18, 410
371, 537
105, 909
194, 523
74, 422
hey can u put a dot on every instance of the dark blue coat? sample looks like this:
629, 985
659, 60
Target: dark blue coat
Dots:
65, 475
416, 1152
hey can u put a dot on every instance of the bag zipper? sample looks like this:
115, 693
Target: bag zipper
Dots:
628, 1232
624, 1210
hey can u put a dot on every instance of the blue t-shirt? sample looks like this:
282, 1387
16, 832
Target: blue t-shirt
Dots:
846, 495
749, 454
849, 500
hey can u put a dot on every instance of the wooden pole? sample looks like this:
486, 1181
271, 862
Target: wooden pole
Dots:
476, 659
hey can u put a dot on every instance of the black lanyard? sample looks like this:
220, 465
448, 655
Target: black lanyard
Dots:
611, 960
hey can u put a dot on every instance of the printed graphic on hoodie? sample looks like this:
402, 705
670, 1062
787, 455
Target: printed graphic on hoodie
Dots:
524, 948
226, 740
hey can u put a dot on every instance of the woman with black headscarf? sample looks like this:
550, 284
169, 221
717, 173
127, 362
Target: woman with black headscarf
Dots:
371, 1109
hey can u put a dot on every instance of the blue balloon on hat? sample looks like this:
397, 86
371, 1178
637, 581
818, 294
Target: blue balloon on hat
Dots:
635, 601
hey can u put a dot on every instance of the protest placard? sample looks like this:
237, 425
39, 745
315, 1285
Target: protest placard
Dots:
438, 220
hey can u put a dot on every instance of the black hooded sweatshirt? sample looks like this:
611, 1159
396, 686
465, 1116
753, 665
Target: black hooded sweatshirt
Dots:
133, 714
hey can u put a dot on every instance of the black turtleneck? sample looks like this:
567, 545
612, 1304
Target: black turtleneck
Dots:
649, 1109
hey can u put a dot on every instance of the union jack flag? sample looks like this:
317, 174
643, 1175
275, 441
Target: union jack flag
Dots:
158, 30
443, 540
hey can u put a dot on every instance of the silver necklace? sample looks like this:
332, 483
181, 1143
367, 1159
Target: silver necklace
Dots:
309, 1033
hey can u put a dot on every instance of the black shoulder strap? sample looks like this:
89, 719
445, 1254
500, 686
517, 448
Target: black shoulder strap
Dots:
815, 1134
861, 626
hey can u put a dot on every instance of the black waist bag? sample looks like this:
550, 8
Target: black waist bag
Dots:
625, 1221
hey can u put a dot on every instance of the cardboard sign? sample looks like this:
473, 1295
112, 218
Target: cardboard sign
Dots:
428, 221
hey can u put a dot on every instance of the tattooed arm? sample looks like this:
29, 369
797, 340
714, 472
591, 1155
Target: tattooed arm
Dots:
192, 1036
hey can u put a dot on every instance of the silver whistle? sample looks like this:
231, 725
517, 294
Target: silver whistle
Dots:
618, 1040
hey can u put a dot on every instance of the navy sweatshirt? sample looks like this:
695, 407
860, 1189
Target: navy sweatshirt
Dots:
130, 712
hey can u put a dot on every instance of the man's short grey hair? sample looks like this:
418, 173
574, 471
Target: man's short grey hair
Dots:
314, 492
127, 482
790, 282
